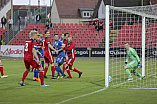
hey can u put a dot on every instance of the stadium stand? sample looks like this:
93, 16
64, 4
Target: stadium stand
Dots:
133, 35
83, 35
2, 31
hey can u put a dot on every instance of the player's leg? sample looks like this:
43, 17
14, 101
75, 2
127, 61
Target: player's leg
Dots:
35, 78
42, 59
41, 75
36, 72
58, 70
80, 73
27, 65
52, 66
46, 66
68, 67
136, 73
70, 63
1, 70
126, 68
64, 63
42, 62
68, 71
59, 62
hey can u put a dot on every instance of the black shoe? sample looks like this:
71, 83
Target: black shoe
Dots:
69, 77
45, 76
80, 74
53, 77
143, 78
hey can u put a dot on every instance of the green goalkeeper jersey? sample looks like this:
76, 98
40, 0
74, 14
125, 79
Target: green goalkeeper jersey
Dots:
132, 54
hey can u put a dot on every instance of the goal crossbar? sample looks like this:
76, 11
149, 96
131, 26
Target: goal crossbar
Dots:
128, 10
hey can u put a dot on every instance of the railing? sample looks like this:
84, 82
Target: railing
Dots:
3, 5
12, 32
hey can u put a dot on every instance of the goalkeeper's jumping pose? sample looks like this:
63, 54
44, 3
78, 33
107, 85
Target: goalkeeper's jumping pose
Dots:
134, 64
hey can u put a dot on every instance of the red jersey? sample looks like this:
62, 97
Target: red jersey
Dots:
101, 22
39, 45
46, 47
70, 49
29, 45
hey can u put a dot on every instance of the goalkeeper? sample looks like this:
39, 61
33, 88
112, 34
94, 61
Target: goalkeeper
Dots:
134, 64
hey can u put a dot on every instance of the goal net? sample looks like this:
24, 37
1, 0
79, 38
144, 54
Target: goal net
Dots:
138, 27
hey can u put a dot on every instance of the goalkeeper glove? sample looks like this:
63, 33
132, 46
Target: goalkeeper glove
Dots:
124, 64
139, 65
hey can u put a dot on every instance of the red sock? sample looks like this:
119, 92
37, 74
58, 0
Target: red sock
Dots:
68, 71
41, 75
46, 68
53, 70
63, 68
1, 70
24, 75
76, 70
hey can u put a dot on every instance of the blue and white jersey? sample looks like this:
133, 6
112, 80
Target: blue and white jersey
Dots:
61, 39
57, 46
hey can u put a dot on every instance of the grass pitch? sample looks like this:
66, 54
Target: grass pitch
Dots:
92, 80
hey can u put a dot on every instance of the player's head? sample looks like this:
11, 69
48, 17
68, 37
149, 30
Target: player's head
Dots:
56, 37
126, 45
69, 38
62, 35
66, 36
38, 37
41, 34
47, 33
33, 34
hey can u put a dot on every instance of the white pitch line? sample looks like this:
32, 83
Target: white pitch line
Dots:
81, 96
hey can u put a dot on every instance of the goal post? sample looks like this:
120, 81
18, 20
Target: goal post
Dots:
143, 45
107, 48
137, 26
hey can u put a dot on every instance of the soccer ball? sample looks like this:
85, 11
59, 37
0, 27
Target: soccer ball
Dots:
110, 79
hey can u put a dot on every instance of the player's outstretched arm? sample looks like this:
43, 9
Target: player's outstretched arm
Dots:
62, 48
50, 46
35, 54
39, 53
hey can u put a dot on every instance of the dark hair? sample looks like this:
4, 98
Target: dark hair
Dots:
46, 31
126, 43
66, 34
40, 33
55, 34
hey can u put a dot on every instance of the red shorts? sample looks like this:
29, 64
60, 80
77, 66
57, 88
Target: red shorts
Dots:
49, 59
33, 63
70, 62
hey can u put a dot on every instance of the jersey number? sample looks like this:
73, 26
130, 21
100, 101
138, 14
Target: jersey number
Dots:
26, 47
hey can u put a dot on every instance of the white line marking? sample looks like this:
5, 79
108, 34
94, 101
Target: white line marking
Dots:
81, 96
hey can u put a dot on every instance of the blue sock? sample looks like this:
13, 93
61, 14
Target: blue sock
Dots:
36, 73
58, 70
42, 64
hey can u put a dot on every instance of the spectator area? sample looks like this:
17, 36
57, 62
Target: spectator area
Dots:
133, 35
2, 31
83, 34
